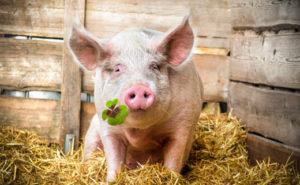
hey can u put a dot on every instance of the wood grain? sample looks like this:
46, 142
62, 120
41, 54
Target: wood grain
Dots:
30, 64
267, 13
210, 19
88, 110
40, 116
71, 76
269, 112
87, 81
269, 58
210, 51
42, 18
213, 70
260, 148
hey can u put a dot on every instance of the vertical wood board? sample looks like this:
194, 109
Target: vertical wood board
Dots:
71, 76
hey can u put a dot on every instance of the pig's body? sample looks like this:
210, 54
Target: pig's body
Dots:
151, 73
178, 123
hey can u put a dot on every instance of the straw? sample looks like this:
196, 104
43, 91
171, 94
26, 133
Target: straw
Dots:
219, 156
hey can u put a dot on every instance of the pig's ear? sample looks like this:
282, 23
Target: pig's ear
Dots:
177, 44
85, 48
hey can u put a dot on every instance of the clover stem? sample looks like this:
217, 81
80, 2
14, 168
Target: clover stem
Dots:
113, 111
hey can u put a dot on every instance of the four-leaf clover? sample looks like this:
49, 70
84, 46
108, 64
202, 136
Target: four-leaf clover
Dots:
115, 115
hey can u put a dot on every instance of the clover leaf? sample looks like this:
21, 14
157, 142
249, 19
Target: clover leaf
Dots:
115, 115
111, 103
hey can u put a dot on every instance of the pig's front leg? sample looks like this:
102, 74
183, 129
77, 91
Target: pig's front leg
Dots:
115, 152
92, 139
177, 149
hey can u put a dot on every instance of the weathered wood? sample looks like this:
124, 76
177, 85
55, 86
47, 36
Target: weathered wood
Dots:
30, 64
269, 58
45, 18
213, 70
266, 13
208, 18
270, 112
212, 42
88, 110
260, 148
71, 76
41, 116
87, 81
29, 17
210, 51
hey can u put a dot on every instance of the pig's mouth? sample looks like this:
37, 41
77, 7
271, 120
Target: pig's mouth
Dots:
139, 110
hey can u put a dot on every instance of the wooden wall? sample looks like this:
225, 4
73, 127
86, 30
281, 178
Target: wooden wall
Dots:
264, 90
33, 56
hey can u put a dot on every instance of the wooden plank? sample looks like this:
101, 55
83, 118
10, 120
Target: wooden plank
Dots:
88, 82
210, 51
269, 58
208, 18
41, 116
71, 76
267, 13
270, 112
88, 110
30, 64
212, 42
213, 70
29, 17
260, 148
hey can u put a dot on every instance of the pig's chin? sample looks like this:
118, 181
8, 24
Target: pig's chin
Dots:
140, 118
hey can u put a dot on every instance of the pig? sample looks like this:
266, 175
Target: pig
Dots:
152, 73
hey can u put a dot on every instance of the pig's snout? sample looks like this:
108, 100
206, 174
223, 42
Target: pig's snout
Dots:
139, 97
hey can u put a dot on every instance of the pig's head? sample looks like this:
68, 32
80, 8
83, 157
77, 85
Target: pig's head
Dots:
134, 66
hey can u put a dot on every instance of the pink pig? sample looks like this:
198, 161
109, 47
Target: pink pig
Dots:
152, 74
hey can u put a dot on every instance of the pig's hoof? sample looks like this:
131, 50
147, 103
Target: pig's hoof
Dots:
132, 165
185, 170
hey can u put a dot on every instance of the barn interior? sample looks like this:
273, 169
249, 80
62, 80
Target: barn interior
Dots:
246, 52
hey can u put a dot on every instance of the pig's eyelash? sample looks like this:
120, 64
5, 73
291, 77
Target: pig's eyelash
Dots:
107, 67
155, 66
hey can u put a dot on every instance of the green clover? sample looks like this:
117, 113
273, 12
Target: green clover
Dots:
115, 115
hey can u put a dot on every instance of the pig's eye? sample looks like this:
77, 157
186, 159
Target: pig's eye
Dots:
155, 67
118, 68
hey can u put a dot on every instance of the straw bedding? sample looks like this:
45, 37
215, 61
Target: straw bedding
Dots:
218, 156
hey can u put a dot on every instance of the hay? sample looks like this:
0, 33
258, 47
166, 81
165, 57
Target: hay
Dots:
218, 157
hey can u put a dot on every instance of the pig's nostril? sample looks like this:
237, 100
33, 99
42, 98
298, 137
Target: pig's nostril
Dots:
132, 96
146, 95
